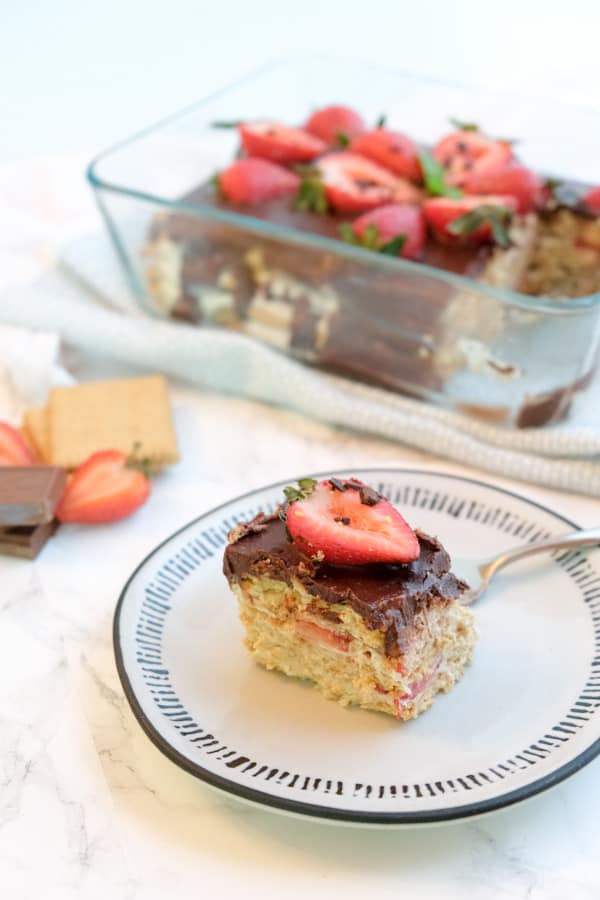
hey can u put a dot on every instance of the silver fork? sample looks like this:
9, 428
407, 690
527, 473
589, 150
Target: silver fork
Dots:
479, 573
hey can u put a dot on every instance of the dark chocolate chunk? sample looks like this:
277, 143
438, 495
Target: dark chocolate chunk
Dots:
259, 523
26, 540
29, 495
369, 496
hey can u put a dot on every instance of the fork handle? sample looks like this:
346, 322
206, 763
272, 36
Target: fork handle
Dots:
576, 539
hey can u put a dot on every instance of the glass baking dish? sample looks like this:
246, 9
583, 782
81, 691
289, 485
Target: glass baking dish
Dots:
490, 352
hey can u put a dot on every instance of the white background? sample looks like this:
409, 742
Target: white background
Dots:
77, 76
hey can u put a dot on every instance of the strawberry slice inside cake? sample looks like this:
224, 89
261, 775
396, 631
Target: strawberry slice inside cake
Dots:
337, 588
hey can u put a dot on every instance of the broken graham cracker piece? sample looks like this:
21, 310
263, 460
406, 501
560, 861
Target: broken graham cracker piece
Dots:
35, 426
132, 415
29, 495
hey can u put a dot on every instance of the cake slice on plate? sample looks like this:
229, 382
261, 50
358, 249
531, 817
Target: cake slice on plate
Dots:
337, 588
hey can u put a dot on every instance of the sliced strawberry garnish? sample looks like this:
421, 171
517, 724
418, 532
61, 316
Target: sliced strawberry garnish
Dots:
592, 200
280, 143
250, 181
348, 523
13, 449
318, 635
511, 180
335, 124
103, 489
490, 215
463, 153
391, 222
356, 184
390, 149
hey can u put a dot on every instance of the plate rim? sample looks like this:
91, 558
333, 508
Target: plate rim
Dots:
315, 810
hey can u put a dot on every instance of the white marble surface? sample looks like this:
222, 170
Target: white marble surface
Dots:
89, 808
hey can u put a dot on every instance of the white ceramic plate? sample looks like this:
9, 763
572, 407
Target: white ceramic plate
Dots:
524, 717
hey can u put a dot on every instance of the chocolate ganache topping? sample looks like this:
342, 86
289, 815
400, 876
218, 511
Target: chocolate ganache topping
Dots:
387, 597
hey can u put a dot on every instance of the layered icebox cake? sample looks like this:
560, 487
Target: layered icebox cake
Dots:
335, 587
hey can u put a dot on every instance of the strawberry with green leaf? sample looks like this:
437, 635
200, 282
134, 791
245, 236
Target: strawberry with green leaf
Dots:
345, 522
335, 125
354, 184
106, 487
434, 178
470, 220
397, 229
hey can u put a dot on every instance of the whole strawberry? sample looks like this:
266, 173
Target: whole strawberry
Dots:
335, 125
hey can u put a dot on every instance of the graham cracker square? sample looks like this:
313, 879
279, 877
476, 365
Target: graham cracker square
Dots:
132, 415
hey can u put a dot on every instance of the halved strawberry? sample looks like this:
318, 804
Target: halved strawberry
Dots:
318, 635
513, 180
348, 523
13, 449
441, 212
333, 124
394, 220
465, 152
249, 181
592, 200
103, 489
391, 149
356, 184
280, 143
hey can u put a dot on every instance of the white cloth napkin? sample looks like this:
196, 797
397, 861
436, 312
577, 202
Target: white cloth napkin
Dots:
29, 366
565, 456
